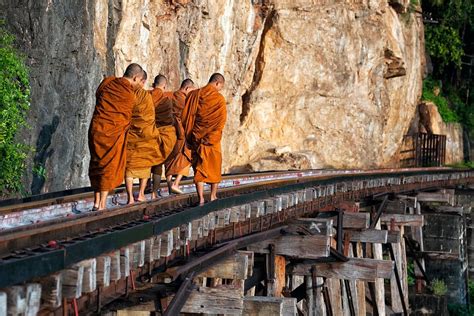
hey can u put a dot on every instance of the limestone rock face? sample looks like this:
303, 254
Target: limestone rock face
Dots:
333, 82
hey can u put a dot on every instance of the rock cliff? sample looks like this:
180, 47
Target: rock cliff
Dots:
310, 83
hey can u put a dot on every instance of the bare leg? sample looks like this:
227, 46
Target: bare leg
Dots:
176, 181
156, 185
129, 187
103, 200
168, 181
96, 199
214, 191
200, 192
141, 193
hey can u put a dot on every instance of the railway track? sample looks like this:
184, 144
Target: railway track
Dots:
248, 204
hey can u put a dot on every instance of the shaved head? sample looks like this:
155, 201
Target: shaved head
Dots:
145, 75
133, 70
217, 77
187, 83
160, 81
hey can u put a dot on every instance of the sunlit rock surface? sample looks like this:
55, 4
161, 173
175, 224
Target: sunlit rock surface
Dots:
310, 83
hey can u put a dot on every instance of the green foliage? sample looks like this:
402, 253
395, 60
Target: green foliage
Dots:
14, 104
439, 287
444, 43
429, 87
462, 165
459, 310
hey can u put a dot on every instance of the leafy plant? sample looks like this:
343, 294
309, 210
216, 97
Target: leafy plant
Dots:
411, 273
429, 88
444, 43
439, 287
14, 104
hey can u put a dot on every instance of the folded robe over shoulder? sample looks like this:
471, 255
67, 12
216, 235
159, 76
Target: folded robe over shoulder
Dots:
108, 133
204, 117
177, 162
145, 140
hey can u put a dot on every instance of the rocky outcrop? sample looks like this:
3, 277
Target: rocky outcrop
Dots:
334, 81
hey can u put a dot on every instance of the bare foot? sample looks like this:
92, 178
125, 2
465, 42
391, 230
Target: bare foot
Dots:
129, 202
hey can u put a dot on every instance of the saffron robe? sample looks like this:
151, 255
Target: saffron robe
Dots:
204, 116
107, 136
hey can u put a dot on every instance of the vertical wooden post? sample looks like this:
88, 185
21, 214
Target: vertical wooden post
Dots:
379, 282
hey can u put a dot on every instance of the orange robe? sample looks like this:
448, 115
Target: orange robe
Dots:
177, 162
145, 141
204, 117
108, 133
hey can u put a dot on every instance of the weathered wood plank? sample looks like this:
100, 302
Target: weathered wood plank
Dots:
354, 269
310, 246
126, 261
403, 219
72, 281
379, 282
393, 237
89, 282
354, 220
334, 288
51, 293
3, 304
368, 235
103, 271
317, 226
262, 305
224, 299
289, 306
115, 263
33, 299
232, 267
16, 300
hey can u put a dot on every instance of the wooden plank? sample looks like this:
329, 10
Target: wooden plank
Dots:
393, 237
226, 299
51, 293
403, 219
125, 261
318, 299
262, 305
103, 271
166, 243
72, 281
308, 281
334, 288
435, 197
280, 274
115, 265
232, 267
257, 208
368, 235
289, 306
309, 246
3, 304
317, 226
354, 220
16, 300
361, 286
354, 269
33, 299
379, 282
89, 281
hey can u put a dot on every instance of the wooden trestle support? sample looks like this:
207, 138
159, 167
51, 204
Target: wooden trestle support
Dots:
314, 251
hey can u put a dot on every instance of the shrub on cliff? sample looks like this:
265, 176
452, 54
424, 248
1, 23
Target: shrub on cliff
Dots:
14, 104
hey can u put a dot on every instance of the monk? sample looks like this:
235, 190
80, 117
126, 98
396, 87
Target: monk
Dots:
177, 165
203, 118
107, 135
145, 142
159, 86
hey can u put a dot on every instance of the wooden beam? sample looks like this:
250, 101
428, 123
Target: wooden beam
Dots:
3, 303
232, 267
393, 237
354, 269
33, 298
103, 271
317, 226
289, 306
436, 197
262, 305
368, 235
355, 220
379, 282
51, 290
223, 299
309, 247
403, 219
